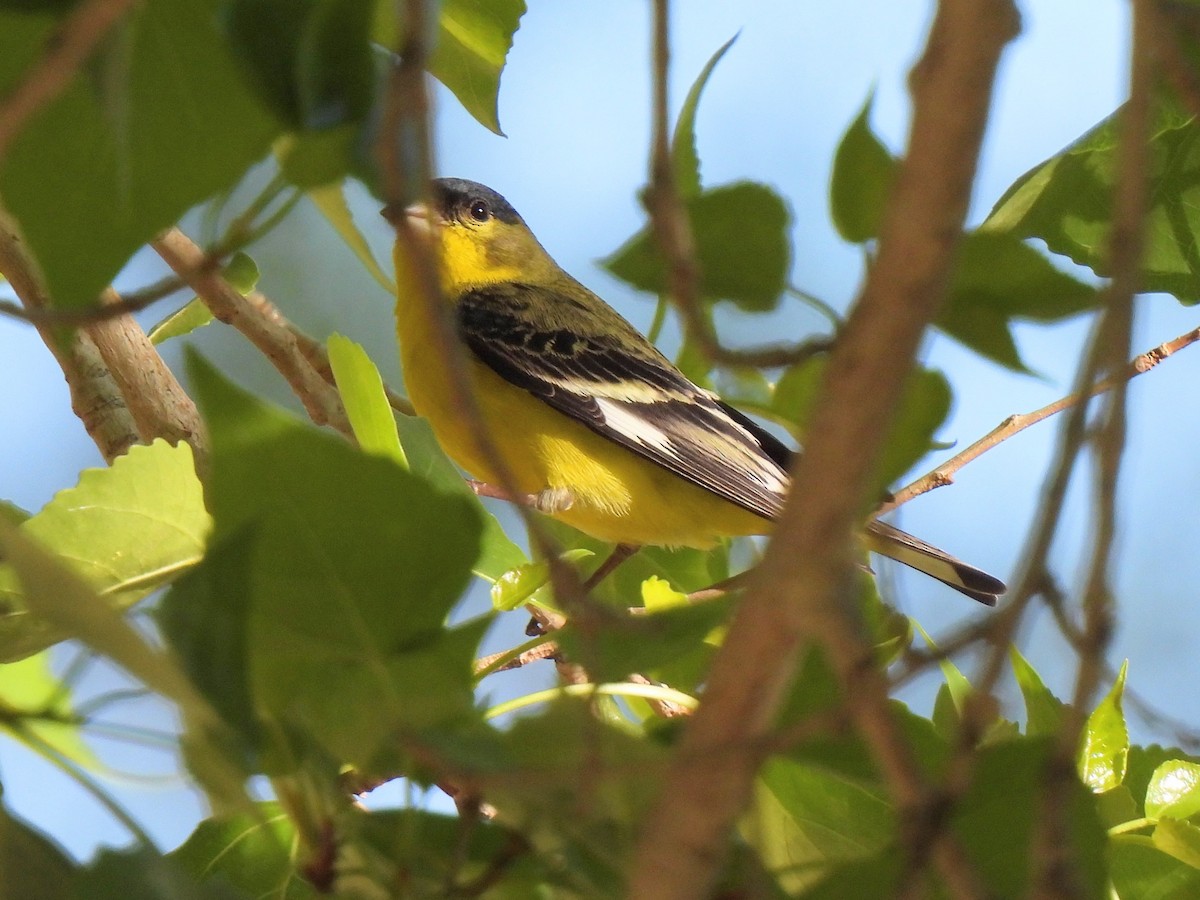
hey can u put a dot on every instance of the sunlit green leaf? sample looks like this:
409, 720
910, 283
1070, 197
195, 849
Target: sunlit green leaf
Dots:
38, 711
1141, 871
251, 851
743, 249
241, 272
863, 172
367, 406
473, 41
126, 530
1067, 201
57, 595
1174, 790
1105, 746
683, 143
1043, 711
105, 167
833, 818
1180, 839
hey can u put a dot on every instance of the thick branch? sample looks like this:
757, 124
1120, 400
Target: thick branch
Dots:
95, 396
157, 402
797, 595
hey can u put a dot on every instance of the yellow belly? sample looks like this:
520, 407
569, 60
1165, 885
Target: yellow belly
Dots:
616, 495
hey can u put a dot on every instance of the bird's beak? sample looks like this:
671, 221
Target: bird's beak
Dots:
417, 216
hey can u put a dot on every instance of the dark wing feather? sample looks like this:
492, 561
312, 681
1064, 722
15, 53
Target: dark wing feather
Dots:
584, 360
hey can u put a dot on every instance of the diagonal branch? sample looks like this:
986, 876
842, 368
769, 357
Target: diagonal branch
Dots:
275, 339
797, 595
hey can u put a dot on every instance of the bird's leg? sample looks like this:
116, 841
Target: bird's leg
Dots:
620, 553
551, 500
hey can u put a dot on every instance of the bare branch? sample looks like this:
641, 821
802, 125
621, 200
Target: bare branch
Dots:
95, 396
795, 595
66, 51
158, 403
275, 340
1015, 424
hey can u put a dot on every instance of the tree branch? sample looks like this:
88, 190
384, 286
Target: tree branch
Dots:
157, 402
1015, 424
799, 593
277, 341
95, 397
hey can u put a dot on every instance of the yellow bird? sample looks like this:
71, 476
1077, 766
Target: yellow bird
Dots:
591, 419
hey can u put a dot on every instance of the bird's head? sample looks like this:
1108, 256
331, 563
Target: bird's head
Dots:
482, 238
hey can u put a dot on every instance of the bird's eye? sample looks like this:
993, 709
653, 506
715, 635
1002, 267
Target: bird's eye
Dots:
480, 211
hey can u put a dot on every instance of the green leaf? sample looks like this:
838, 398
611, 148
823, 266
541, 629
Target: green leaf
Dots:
144, 875
192, 315
498, 554
355, 565
57, 595
1043, 711
241, 272
330, 201
1144, 761
995, 820
1174, 790
683, 144
831, 818
32, 867
37, 710
204, 618
367, 405
647, 644
1105, 748
863, 173
1140, 871
105, 167
310, 60
741, 233
516, 586
474, 37
1000, 280
251, 851
1178, 839
923, 408
126, 530
1067, 201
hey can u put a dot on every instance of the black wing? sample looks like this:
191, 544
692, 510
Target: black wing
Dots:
579, 356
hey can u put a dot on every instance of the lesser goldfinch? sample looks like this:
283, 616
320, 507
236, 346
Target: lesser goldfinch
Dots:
589, 416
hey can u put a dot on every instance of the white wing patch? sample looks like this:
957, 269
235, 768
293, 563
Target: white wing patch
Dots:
620, 418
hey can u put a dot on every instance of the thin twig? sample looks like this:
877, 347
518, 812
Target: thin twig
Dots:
66, 52
801, 592
1015, 424
276, 341
1058, 874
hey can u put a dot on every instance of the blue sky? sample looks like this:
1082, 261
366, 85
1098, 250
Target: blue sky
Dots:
575, 105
